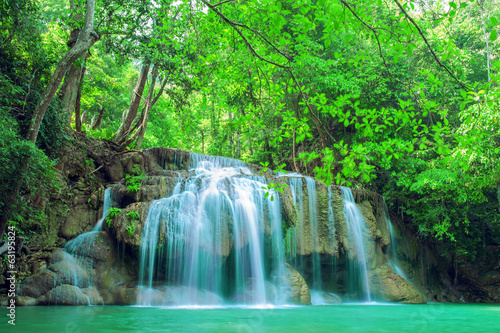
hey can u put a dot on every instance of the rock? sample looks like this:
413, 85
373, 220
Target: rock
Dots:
38, 284
288, 210
59, 255
25, 301
93, 295
295, 288
121, 222
391, 287
123, 295
37, 266
65, 295
114, 172
70, 272
331, 298
81, 219
490, 278
93, 245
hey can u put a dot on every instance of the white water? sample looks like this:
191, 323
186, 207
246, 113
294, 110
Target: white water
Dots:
187, 239
79, 251
313, 224
105, 207
356, 227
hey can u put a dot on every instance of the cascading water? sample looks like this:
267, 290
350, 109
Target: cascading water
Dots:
206, 244
291, 245
394, 261
105, 207
356, 227
393, 255
78, 256
315, 287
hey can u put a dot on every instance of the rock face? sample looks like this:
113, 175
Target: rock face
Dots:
297, 291
69, 295
389, 286
78, 278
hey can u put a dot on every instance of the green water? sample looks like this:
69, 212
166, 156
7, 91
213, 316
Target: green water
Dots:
332, 318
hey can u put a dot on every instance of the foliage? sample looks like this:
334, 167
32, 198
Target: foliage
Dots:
134, 181
25, 164
133, 216
112, 212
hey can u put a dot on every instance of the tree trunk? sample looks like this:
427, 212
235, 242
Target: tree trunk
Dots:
79, 119
86, 38
149, 105
96, 123
124, 129
70, 91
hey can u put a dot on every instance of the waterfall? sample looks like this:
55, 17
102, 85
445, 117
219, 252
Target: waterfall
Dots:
105, 207
76, 266
295, 183
393, 261
315, 286
208, 241
357, 227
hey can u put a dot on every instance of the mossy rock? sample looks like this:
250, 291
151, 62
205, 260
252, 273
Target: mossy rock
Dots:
389, 286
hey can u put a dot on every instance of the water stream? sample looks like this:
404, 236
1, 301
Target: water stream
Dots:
209, 239
357, 230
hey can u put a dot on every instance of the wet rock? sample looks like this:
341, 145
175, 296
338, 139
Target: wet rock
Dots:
38, 284
288, 210
81, 219
389, 286
121, 226
25, 301
95, 246
93, 295
70, 272
331, 298
65, 295
37, 266
296, 290
123, 295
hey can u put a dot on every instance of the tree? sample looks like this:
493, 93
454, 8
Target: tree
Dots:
86, 38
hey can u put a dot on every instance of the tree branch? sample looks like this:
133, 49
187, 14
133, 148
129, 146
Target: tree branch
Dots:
428, 45
245, 40
222, 2
372, 30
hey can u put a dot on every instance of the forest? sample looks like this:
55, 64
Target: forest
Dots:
396, 97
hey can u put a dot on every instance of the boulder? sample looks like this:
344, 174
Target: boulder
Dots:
121, 224
96, 246
65, 295
490, 278
93, 295
391, 287
38, 284
295, 289
70, 272
123, 295
25, 301
81, 219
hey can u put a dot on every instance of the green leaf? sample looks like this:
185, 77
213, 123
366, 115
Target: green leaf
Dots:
493, 35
